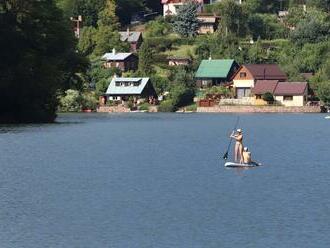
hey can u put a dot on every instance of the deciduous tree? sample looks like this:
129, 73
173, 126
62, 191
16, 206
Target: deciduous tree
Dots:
38, 57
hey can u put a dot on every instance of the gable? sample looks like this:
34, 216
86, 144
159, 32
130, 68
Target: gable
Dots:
243, 74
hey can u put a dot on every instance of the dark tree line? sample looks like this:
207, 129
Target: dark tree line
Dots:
38, 59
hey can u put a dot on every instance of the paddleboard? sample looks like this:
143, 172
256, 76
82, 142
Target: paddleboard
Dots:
232, 164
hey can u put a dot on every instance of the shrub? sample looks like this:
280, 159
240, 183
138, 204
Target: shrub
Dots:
158, 27
71, 101
89, 101
167, 106
144, 106
181, 96
192, 107
268, 97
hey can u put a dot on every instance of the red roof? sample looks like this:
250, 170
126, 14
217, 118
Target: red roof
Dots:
266, 72
290, 88
263, 86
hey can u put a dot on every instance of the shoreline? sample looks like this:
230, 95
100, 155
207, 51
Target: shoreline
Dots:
224, 109
259, 109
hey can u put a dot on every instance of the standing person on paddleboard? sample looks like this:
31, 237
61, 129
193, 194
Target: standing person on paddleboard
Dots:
238, 136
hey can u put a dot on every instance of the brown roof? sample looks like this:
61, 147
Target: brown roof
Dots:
290, 88
263, 86
266, 71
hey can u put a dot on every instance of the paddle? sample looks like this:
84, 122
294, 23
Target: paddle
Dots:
225, 156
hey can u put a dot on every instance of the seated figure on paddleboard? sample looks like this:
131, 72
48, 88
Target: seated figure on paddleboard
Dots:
246, 156
238, 136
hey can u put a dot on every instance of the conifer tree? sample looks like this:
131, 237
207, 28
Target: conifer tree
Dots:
186, 22
107, 16
145, 59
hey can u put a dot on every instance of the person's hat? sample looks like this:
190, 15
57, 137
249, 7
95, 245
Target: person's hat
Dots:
246, 149
239, 130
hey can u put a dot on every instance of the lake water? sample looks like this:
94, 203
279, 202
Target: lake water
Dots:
158, 180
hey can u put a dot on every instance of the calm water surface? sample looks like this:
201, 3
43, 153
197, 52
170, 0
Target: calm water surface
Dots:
157, 180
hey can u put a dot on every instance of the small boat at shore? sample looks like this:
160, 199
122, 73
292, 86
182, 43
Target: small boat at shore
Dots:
238, 165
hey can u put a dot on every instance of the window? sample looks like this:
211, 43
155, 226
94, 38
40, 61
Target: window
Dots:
243, 92
127, 84
242, 75
117, 83
258, 96
136, 83
287, 98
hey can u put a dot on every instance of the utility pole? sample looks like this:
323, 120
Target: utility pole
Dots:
77, 25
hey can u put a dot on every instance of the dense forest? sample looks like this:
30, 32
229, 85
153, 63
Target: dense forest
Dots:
44, 66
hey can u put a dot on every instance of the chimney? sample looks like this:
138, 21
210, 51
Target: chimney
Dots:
210, 58
127, 32
114, 51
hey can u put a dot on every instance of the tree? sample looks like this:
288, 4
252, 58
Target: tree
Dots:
38, 56
233, 18
254, 6
100, 76
323, 92
66, 6
181, 95
146, 55
88, 9
321, 4
186, 22
107, 16
106, 39
71, 101
87, 42
157, 28
256, 26
256, 54
310, 30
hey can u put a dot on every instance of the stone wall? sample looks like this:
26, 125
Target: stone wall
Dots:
259, 109
113, 109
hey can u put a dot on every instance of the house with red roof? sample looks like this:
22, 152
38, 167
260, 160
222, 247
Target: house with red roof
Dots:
248, 75
170, 7
285, 93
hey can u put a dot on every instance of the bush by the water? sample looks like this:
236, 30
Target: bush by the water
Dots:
144, 106
74, 101
166, 106
192, 107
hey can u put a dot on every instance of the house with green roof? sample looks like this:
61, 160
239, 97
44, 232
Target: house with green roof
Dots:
215, 72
